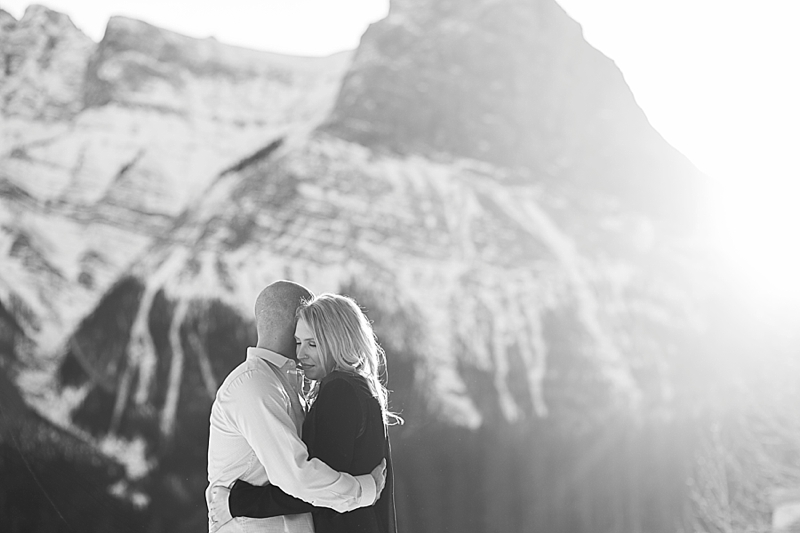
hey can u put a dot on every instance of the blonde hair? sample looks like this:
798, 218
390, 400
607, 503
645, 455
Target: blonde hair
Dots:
347, 342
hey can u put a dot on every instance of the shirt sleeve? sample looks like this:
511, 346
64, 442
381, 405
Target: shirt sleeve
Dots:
260, 414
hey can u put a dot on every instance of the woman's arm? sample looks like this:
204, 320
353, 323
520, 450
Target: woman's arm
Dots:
337, 420
264, 501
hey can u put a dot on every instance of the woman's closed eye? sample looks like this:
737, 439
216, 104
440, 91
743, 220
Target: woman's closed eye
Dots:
311, 343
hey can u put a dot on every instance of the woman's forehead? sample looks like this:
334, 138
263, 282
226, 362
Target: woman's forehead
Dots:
303, 330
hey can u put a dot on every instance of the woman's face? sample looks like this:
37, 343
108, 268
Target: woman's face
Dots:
308, 353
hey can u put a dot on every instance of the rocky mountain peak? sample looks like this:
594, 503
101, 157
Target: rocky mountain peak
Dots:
43, 16
6, 19
514, 84
44, 59
140, 65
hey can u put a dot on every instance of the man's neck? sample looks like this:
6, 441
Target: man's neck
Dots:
278, 351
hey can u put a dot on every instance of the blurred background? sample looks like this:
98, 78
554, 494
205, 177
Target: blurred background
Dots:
574, 225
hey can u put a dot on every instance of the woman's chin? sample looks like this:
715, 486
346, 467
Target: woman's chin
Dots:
313, 373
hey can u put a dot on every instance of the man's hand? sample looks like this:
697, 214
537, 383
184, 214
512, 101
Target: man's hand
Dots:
219, 513
379, 475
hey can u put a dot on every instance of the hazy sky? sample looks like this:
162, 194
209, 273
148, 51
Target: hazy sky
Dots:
718, 78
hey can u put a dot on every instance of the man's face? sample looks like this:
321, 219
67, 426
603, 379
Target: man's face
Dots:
308, 354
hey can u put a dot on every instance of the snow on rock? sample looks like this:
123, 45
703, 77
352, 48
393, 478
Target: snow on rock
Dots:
84, 190
479, 266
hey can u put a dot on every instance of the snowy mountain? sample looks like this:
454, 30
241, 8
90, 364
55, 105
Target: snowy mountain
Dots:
89, 186
479, 178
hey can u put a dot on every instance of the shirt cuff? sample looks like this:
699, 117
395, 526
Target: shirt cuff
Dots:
369, 491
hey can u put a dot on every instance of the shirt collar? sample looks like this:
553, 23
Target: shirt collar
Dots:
273, 357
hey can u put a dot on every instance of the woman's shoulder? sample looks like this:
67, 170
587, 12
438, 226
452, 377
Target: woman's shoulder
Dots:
341, 382
341, 389
352, 378
351, 390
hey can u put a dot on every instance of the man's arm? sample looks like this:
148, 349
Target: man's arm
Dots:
261, 417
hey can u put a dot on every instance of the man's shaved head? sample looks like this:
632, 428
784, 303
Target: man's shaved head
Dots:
275, 310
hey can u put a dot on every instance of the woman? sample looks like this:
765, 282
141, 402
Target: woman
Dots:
346, 425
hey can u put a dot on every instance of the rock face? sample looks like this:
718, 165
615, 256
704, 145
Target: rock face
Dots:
139, 65
44, 61
512, 83
52, 478
514, 231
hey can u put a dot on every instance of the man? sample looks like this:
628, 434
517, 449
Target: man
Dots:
255, 423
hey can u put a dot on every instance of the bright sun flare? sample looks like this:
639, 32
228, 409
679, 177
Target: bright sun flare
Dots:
755, 229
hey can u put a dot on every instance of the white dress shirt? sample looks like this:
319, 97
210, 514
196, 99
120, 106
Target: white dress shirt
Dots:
256, 420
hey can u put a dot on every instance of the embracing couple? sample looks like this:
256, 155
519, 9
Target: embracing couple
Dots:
289, 458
